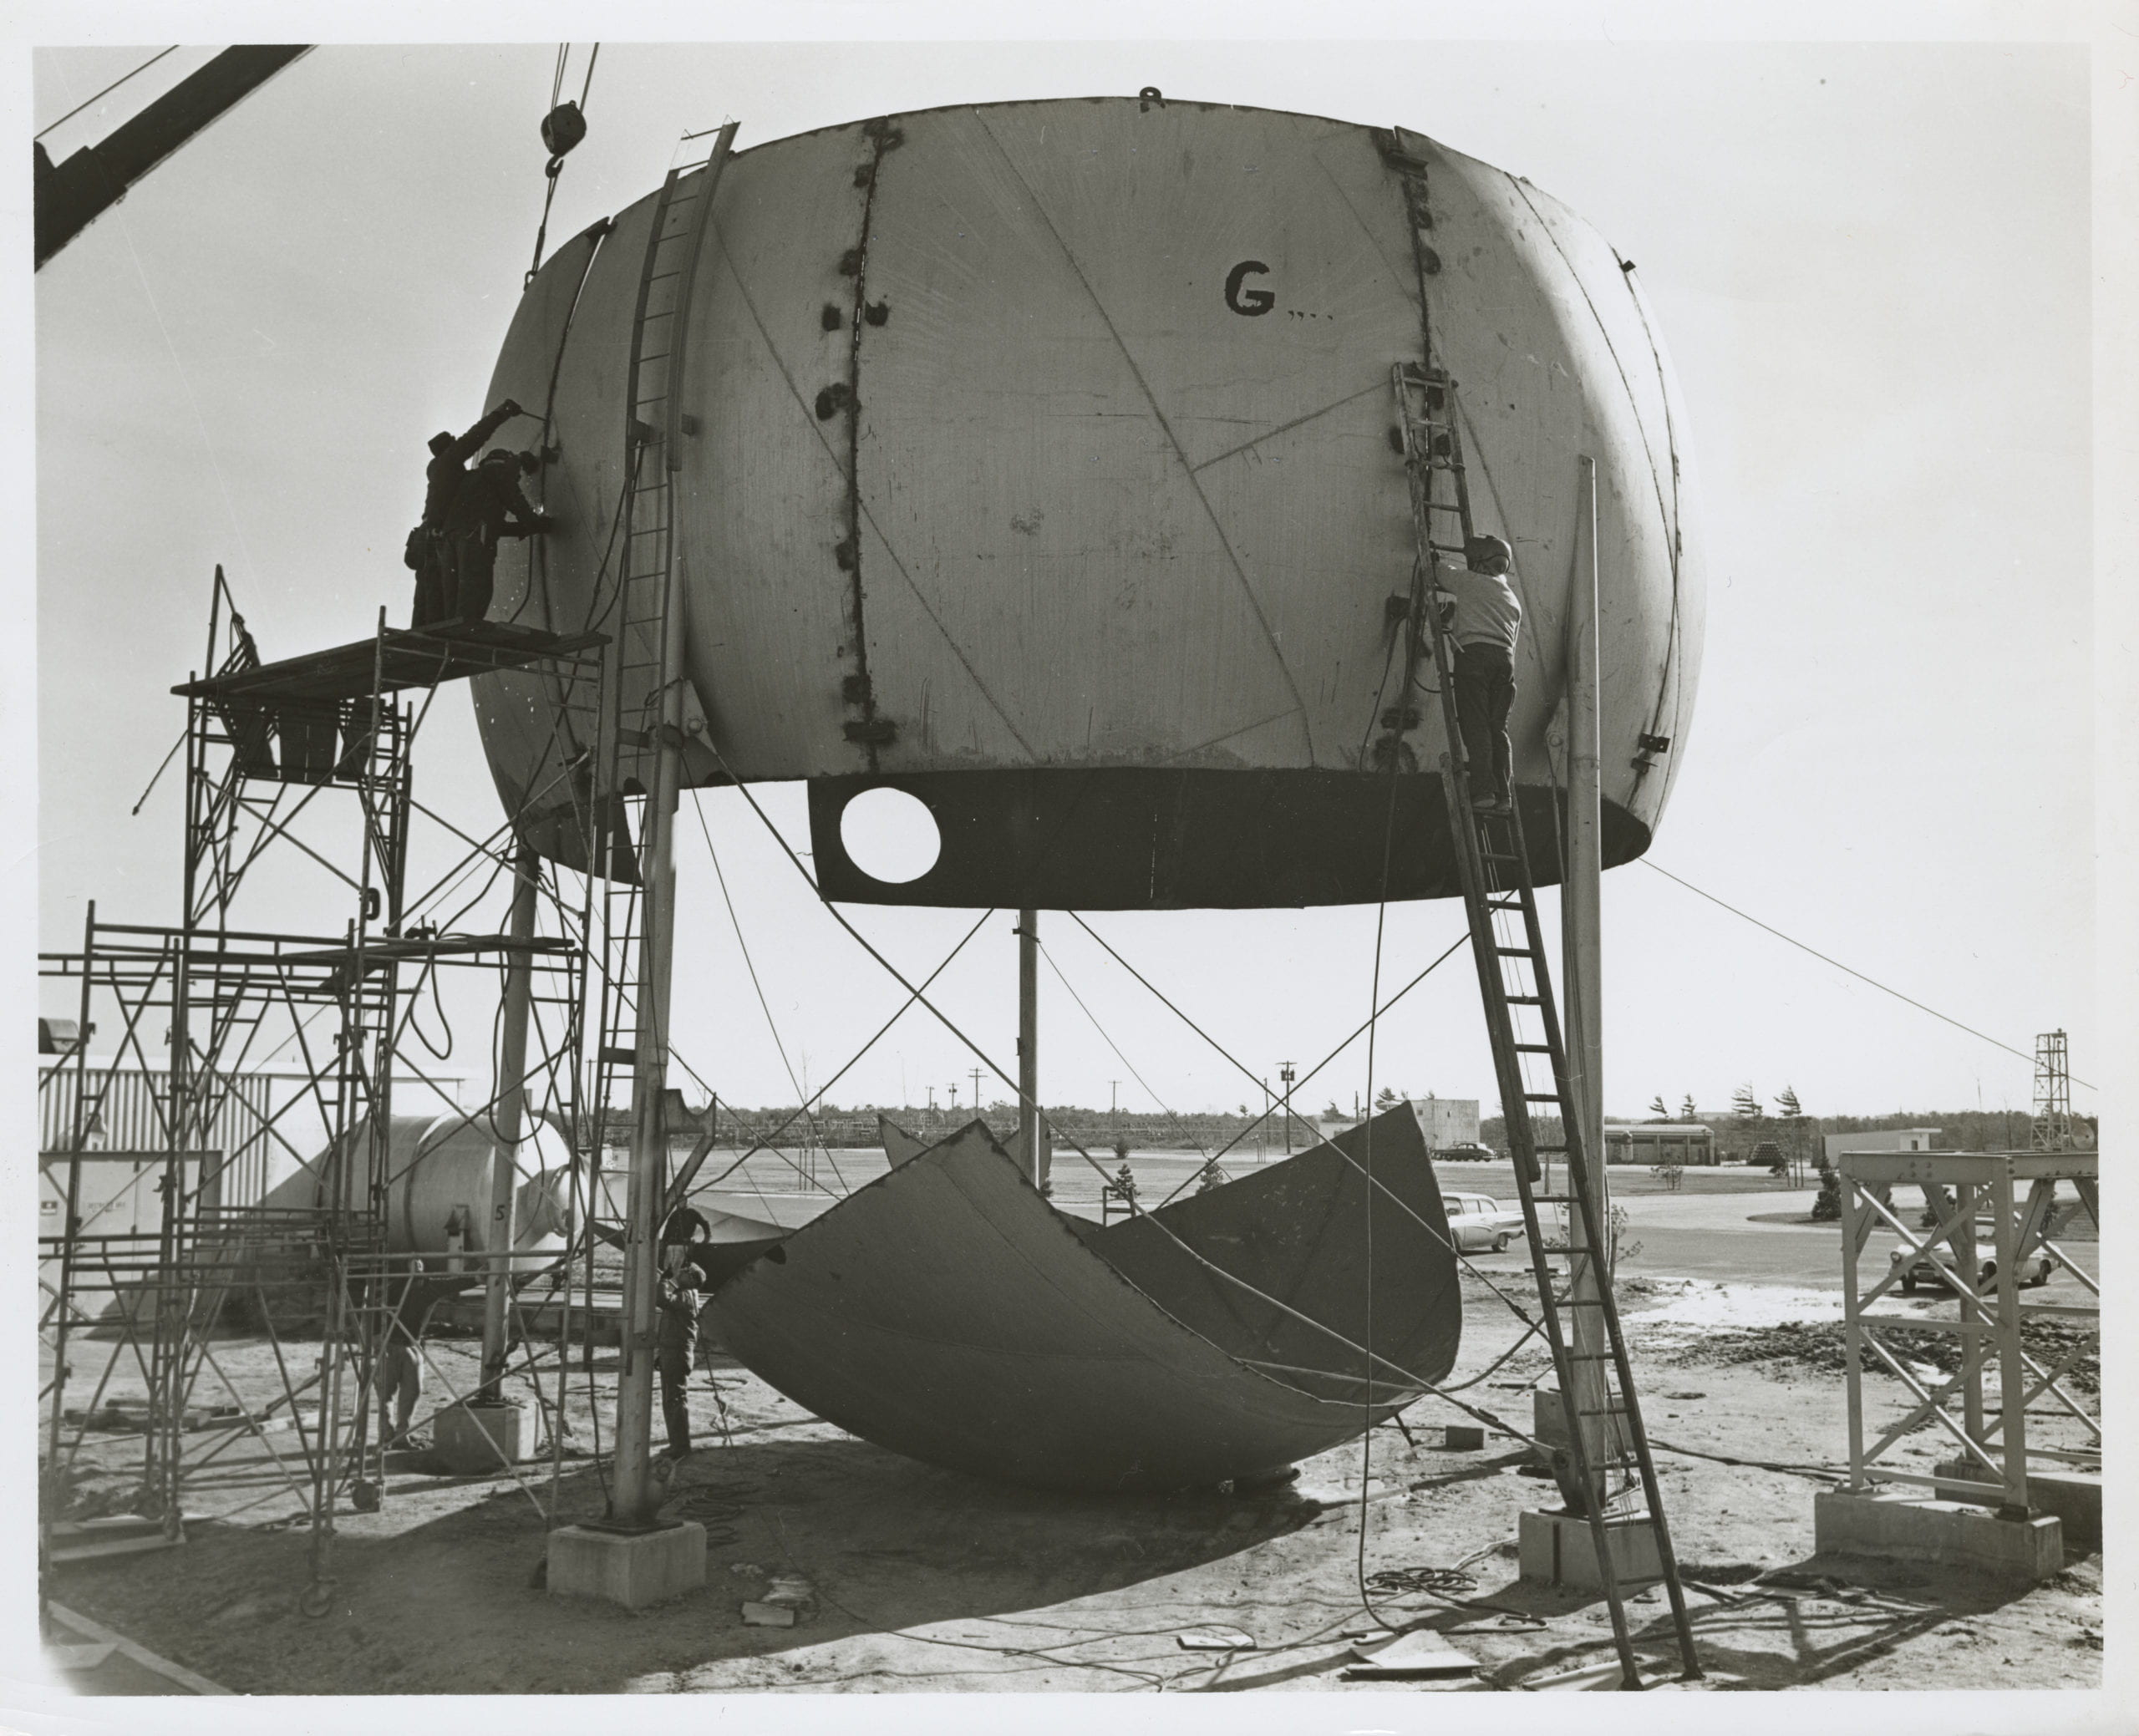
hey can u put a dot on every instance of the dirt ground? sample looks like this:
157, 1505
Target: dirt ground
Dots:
927, 1580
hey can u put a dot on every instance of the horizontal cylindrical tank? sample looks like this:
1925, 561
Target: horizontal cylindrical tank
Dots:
438, 1187
1040, 458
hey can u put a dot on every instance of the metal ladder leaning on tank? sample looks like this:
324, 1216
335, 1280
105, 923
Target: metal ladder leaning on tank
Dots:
630, 692
1493, 863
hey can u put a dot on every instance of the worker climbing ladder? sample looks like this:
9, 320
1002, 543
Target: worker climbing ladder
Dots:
1607, 1466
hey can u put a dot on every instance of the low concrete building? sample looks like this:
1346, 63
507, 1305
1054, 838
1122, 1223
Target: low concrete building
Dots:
1447, 1120
1892, 1139
1656, 1142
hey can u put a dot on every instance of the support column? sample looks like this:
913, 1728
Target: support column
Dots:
508, 1121
1032, 1129
636, 1497
1581, 944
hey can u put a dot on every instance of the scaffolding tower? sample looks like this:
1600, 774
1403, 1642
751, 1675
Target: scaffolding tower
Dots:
2053, 1128
266, 745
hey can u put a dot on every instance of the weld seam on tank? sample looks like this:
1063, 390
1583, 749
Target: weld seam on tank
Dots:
858, 690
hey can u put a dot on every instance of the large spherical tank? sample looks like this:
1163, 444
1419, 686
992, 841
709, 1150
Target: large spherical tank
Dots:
438, 1186
1040, 458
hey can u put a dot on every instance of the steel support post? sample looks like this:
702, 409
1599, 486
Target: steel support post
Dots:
1582, 944
1029, 1116
1853, 1238
1969, 1199
508, 1118
2012, 1389
635, 1497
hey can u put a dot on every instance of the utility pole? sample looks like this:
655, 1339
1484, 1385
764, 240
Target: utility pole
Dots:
1582, 942
507, 1126
1285, 1073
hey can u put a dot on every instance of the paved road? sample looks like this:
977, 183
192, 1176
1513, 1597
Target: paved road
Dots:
1712, 1227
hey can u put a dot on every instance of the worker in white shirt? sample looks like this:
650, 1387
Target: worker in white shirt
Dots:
1480, 612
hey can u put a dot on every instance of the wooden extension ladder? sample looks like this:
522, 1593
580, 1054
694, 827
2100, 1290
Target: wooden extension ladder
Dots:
1597, 1387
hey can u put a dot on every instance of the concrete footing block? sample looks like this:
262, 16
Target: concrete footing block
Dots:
1548, 1418
1558, 1549
471, 1439
2075, 1497
631, 1568
1947, 1533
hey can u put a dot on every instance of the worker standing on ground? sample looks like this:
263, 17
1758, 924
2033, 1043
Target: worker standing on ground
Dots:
682, 1294
488, 507
443, 476
1480, 611
400, 1369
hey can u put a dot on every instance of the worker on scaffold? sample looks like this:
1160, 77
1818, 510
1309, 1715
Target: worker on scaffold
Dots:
427, 552
489, 505
1480, 612
684, 1283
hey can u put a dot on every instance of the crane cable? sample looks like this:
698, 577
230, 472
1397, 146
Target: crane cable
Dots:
562, 127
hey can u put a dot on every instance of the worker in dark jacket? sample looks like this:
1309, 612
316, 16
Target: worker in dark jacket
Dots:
1480, 610
683, 1284
488, 507
443, 476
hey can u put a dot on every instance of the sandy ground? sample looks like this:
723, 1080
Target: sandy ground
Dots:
927, 1580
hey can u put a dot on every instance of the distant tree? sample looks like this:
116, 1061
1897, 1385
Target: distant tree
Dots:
1656, 1107
1687, 1112
1330, 1112
1787, 1102
1384, 1098
1745, 1102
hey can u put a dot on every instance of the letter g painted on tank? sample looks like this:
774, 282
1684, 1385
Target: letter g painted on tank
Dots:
1248, 301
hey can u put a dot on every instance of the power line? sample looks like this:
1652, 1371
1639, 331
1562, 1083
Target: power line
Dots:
2024, 1054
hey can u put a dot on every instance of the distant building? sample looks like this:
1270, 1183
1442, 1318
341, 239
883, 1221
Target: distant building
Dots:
1656, 1142
1447, 1120
1893, 1138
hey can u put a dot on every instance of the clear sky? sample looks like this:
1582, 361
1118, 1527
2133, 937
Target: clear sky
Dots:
1870, 263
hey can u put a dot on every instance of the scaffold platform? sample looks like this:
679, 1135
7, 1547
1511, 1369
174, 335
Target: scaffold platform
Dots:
392, 661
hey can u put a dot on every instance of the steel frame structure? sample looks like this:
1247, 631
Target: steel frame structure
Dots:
2016, 1190
344, 729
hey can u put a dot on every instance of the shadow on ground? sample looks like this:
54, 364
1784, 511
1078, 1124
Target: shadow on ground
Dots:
453, 1606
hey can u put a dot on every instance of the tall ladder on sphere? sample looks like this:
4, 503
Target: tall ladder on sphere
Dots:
628, 705
1522, 1021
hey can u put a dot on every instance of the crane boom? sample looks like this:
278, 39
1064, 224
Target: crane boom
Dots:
74, 194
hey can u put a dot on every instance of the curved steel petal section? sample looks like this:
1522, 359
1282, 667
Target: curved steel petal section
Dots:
1302, 1234
946, 1312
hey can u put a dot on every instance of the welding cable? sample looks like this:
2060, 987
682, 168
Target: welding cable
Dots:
1366, 1218
1312, 1072
862, 941
764, 1005
1860, 975
1186, 1131
912, 995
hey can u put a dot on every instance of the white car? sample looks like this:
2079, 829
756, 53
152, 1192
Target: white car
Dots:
1478, 1223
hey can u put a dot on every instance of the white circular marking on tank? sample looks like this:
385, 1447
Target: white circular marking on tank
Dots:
890, 836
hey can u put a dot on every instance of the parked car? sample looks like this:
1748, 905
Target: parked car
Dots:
1468, 1152
1937, 1267
1480, 1223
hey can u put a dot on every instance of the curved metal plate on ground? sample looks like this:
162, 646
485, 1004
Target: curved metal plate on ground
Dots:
1297, 1233
948, 1312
